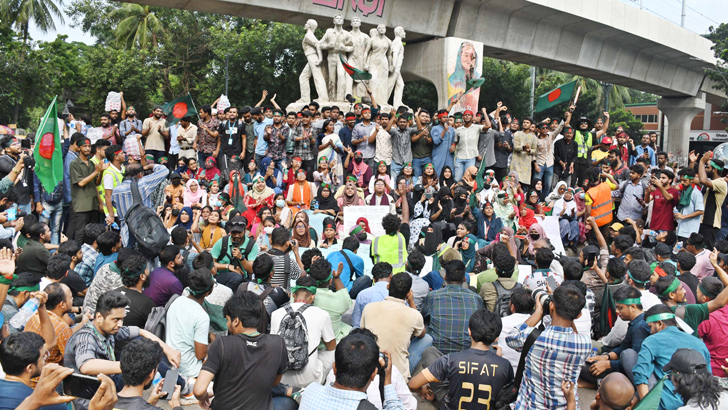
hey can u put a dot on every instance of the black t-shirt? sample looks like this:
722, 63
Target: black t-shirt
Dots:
475, 374
139, 307
232, 135
245, 369
691, 280
134, 403
77, 285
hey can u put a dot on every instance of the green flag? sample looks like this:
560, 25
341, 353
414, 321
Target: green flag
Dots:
652, 400
354, 72
556, 96
179, 108
47, 153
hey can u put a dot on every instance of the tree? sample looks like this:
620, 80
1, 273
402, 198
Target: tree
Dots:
21, 12
420, 94
505, 82
138, 26
719, 37
620, 117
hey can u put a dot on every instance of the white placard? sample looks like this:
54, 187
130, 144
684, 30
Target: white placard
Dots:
113, 101
373, 215
551, 228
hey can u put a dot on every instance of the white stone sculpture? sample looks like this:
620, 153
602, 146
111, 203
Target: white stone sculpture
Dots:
335, 41
312, 50
379, 63
396, 83
358, 57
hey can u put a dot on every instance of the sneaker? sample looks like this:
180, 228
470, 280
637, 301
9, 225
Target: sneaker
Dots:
189, 387
296, 396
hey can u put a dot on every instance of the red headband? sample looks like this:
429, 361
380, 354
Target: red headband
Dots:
366, 109
118, 152
351, 117
466, 112
442, 114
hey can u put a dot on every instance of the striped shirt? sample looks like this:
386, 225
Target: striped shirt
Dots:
327, 397
279, 269
557, 355
85, 269
122, 198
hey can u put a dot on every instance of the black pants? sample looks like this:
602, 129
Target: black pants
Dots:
500, 173
709, 233
78, 222
577, 179
309, 166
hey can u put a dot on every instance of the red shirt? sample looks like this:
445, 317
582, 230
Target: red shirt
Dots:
662, 216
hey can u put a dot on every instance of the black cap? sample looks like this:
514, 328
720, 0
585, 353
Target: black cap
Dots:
175, 175
723, 257
237, 224
662, 249
256, 111
687, 361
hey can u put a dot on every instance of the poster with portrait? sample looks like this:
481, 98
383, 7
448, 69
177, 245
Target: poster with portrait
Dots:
464, 65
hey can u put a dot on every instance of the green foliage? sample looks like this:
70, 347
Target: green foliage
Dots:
507, 82
620, 117
138, 26
420, 94
23, 80
22, 12
719, 37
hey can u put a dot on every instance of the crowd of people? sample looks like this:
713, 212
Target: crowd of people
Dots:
207, 261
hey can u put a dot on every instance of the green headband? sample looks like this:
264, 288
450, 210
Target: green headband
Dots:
641, 282
201, 292
311, 289
706, 294
356, 230
673, 287
324, 281
660, 316
351, 178
630, 301
34, 288
714, 165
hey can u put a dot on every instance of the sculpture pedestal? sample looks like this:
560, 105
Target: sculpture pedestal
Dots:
344, 106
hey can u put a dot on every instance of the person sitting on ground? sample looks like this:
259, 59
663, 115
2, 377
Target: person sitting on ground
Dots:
89, 247
614, 393
334, 302
163, 282
23, 287
504, 266
34, 258
79, 288
447, 380
672, 292
520, 308
692, 379
275, 296
135, 276
382, 274
109, 244
106, 279
139, 364
348, 278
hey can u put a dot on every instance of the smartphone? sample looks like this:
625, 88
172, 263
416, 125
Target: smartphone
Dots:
552, 283
12, 214
81, 385
170, 381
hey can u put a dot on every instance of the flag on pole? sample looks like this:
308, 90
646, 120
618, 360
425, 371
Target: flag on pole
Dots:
555, 96
651, 401
47, 153
179, 108
354, 72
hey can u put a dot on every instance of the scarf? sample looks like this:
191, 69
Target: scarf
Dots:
469, 176
305, 239
181, 170
554, 195
236, 191
446, 182
685, 197
350, 200
541, 235
366, 224
301, 193
503, 209
328, 203
469, 254
383, 201
358, 170
446, 204
511, 237
190, 197
431, 240
187, 225
259, 194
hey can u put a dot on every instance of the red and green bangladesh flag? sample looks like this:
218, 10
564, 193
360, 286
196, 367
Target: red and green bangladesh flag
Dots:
47, 153
354, 72
556, 96
179, 108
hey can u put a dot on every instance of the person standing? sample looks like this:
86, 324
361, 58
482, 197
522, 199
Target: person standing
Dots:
232, 137
361, 135
186, 136
584, 141
689, 207
208, 135
85, 202
304, 139
712, 174
466, 144
524, 153
422, 143
276, 136
544, 165
155, 131
129, 126
442, 137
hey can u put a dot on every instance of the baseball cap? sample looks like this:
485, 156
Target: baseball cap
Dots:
606, 140
237, 224
722, 256
687, 361
662, 249
616, 226
175, 175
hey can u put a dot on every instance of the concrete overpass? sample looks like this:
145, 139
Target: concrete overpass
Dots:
602, 39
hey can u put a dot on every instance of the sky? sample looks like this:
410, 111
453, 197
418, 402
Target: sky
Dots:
699, 16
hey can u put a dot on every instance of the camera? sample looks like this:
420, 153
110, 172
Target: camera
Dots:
544, 297
175, 212
386, 361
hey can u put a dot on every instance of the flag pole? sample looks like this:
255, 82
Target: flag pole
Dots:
193, 105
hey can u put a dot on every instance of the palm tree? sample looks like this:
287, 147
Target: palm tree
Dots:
21, 12
138, 26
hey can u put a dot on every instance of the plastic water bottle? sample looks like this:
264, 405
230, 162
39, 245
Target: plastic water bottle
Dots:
21, 318
157, 379
314, 205
45, 214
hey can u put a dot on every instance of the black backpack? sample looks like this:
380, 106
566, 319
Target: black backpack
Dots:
145, 226
157, 320
503, 302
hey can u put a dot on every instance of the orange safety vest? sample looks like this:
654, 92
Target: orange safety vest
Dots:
601, 196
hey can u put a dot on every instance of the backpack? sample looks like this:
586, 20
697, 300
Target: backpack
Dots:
225, 247
503, 302
295, 334
157, 320
145, 226
54, 197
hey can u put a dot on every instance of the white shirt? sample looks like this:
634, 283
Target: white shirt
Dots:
509, 323
373, 395
109, 179
318, 324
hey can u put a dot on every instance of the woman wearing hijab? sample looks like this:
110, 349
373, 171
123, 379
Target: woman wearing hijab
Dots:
213, 231
489, 225
421, 214
326, 202
529, 210
565, 210
579, 198
469, 177
211, 172
328, 239
358, 169
303, 216
535, 232
350, 195
447, 180
236, 191
302, 234
181, 166
466, 247
185, 219
505, 210
194, 194
260, 195
556, 194
460, 206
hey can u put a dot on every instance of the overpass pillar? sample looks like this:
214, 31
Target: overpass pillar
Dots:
680, 113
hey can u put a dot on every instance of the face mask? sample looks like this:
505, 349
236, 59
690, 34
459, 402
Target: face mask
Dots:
280, 203
358, 160
535, 236
268, 230
176, 182
581, 195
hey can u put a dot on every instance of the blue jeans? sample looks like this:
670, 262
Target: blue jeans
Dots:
546, 175
461, 165
416, 348
55, 215
569, 230
202, 157
419, 165
395, 170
